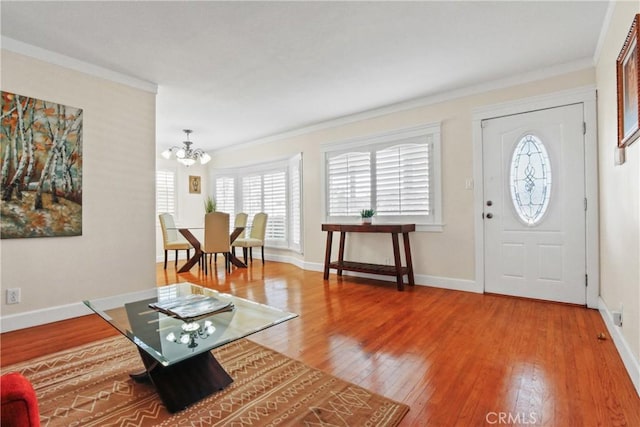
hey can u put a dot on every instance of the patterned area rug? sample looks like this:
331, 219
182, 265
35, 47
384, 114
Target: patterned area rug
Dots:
90, 386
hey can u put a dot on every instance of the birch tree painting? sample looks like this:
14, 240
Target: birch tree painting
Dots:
41, 175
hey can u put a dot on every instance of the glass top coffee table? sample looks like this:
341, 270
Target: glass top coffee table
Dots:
175, 328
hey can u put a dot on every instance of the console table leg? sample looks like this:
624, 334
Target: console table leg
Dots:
341, 253
396, 258
327, 255
407, 254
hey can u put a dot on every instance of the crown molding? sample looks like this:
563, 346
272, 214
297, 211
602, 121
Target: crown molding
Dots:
606, 23
522, 78
35, 52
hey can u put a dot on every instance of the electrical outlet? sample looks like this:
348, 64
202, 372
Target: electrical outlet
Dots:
617, 318
13, 296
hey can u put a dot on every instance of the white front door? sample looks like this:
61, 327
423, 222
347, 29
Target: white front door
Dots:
534, 204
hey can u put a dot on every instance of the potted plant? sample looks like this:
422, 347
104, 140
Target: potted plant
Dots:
209, 204
367, 215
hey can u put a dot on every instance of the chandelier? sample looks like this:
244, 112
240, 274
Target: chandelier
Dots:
187, 155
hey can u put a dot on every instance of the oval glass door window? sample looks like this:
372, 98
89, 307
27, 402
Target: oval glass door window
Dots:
530, 179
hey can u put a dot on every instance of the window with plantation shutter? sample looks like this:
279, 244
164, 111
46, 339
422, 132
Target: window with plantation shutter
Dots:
224, 195
402, 180
397, 174
251, 191
349, 177
165, 192
295, 202
275, 204
273, 188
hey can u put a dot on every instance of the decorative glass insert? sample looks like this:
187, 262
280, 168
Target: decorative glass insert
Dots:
530, 179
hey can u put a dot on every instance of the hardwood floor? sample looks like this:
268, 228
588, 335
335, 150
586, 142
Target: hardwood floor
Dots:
457, 358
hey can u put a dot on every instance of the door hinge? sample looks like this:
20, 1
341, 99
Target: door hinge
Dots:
586, 280
584, 128
585, 203
483, 123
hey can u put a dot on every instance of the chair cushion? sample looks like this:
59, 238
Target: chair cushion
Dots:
248, 243
177, 245
19, 405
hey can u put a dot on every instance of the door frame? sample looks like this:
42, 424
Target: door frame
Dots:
585, 95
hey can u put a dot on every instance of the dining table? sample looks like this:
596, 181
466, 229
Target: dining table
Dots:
186, 232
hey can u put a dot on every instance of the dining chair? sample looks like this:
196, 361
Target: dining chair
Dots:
256, 237
172, 239
216, 238
241, 221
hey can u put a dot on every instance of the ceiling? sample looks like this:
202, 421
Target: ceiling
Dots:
239, 71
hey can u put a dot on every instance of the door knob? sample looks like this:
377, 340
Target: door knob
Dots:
489, 215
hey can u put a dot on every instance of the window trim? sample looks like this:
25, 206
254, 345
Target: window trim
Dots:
385, 139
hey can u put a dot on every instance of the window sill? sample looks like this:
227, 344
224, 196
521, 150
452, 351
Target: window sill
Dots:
430, 228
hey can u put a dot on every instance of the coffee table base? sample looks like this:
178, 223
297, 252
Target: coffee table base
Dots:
186, 382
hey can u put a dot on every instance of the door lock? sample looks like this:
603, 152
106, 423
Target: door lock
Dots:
489, 203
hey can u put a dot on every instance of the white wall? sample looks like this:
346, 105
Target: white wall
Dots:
619, 193
115, 253
440, 258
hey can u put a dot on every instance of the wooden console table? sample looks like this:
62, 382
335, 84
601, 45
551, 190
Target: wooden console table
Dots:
388, 270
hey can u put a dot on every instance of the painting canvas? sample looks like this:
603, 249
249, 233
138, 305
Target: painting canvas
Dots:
194, 184
628, 82
41, 168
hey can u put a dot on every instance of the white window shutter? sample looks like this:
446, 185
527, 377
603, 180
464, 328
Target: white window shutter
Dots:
165, 192
225, 194
349, 183
295, 202
251, 197
275, 205
402, 180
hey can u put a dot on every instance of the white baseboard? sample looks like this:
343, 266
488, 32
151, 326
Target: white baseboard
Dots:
631, 362
43, 316
29, 319
420, 279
